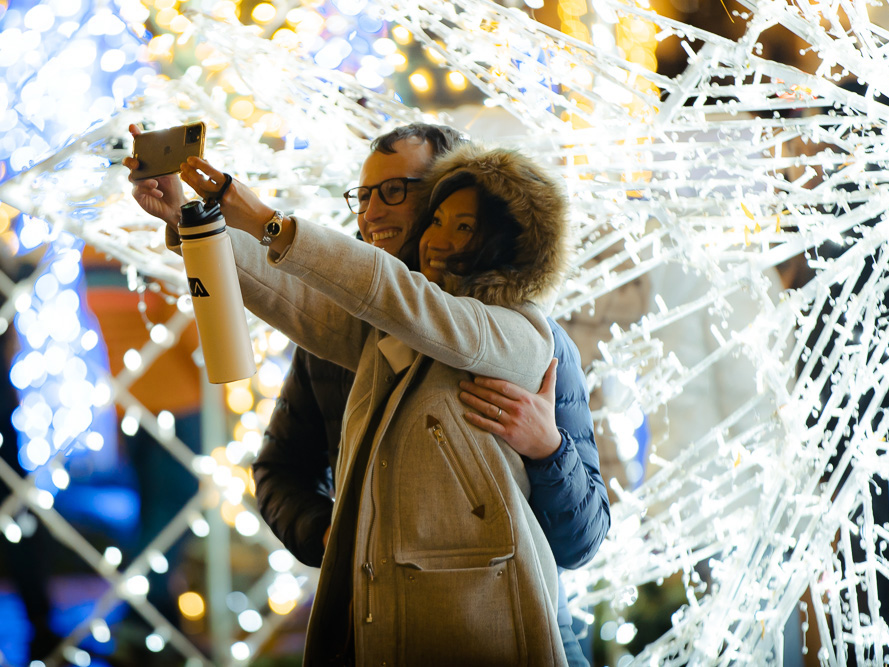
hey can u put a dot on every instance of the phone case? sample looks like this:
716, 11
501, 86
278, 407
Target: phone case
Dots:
162, 151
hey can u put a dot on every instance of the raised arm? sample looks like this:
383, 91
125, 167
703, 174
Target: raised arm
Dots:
309, 268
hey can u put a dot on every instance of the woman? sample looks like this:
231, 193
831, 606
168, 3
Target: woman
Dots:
434, 556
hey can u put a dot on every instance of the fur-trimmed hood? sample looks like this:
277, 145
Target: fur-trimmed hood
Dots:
537, 200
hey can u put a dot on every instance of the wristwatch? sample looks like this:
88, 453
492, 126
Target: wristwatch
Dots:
272, 228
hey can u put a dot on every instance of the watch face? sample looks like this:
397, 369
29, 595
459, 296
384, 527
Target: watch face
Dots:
273, 228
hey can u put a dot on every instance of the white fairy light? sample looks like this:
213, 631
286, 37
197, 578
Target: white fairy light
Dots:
247, 524
240, 651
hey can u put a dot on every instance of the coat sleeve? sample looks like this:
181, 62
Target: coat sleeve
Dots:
293, 475
568, 494
327, 284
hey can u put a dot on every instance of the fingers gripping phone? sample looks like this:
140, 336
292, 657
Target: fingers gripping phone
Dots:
162, 151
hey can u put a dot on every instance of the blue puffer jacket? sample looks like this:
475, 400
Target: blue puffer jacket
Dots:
293, 469
568, 494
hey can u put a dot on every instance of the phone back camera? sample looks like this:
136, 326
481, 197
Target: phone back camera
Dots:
193, 134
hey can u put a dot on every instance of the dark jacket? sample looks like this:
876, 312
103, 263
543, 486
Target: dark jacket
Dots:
293, 471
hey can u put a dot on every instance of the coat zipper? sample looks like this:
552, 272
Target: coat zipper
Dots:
441, 439
369, 571
368, 564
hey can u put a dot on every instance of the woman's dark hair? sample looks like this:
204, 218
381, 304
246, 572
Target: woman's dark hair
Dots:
496, 232
441, 138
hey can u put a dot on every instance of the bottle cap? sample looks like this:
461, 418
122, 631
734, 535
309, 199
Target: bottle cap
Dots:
194, 214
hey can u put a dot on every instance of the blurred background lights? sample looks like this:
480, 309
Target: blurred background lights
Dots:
12, 532
61, 478
264, 12
100, 630
624, 633
158, 562
200, 527
240, 651
155, 642
78, 656
237, 602
192, 606
402, 35
281, 560
247, 524
137, 585
113, 556
250, 620
456, 81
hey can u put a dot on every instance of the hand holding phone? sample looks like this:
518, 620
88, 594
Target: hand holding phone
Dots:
162, 151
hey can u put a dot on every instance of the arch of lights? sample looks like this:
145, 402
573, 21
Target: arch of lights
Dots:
690, 171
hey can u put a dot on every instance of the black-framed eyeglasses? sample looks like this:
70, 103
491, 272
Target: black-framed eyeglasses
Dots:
393, 191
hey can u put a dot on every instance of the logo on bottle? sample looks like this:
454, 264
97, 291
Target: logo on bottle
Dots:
196, 287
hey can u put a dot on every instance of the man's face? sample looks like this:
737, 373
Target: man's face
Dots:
387, 226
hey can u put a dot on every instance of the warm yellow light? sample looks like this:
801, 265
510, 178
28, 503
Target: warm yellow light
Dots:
242, 109
204, 51
456, 81
239, 399
572, 8
263, 12
282, 608
180, 24
164, 4
165, 17
274, 126
644, 57
305, 21
7, 213
398, 60
218, 455
251, 483
576, 29
240, 431
192, 606
420, 81
284, 36
264, 409
160, 45
402, 35
435, 56
224, 9
230, 512
241, 474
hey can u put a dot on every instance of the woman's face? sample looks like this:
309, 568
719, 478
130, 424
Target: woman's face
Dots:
451, 232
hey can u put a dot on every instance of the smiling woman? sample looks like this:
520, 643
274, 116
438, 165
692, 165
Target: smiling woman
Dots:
451, 233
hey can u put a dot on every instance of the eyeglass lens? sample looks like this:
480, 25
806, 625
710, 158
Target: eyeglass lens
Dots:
392, 192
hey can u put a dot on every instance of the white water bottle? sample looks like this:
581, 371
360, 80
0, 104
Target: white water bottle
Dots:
215, 293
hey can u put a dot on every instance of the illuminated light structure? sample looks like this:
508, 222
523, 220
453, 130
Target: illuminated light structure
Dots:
760, 500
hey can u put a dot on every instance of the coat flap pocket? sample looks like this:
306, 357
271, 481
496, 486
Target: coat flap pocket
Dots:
454, 559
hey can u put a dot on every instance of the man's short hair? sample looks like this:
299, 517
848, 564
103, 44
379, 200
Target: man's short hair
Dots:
442, 138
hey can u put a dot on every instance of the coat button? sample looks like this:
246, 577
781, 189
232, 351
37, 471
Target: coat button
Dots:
388, 378
384, 463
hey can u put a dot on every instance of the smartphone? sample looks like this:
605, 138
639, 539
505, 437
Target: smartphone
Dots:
162, 151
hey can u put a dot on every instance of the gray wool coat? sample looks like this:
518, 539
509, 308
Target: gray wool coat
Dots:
434, 556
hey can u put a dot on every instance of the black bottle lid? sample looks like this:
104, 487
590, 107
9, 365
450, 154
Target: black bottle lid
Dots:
195, 214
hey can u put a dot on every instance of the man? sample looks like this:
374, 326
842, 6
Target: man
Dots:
293, 470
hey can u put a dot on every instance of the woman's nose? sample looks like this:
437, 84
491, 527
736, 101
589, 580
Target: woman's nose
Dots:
438, 239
